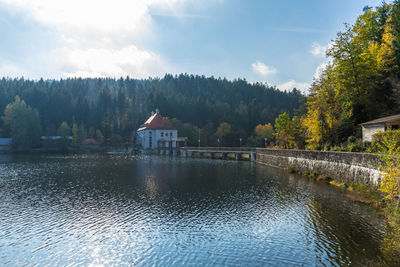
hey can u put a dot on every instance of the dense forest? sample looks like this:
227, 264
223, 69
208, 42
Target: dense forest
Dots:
111, 109
361, 82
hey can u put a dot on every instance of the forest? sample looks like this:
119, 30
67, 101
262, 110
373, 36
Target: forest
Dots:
110, 110
361, 82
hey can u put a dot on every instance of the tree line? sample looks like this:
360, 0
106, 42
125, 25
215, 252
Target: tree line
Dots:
112, 109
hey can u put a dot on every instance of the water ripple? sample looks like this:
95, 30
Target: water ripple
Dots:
125, 210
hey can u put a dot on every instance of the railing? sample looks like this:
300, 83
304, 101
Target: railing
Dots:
221, 149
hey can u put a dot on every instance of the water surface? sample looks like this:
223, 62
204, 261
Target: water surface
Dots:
123, 210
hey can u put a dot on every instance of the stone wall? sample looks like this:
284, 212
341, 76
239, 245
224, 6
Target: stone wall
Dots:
341, 166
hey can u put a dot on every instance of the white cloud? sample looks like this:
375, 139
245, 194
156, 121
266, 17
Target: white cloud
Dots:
262, 69
320, 69
101, 62
9, 69
95, 15
288, 86
317, 49
97, 37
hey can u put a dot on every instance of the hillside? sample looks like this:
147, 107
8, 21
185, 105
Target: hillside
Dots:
117, 107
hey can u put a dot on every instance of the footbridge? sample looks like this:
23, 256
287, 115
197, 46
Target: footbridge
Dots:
229, 153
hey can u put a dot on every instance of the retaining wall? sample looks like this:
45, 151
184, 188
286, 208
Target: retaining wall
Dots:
341, 166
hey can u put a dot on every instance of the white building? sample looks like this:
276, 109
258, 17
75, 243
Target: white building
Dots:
157, 133
372, 127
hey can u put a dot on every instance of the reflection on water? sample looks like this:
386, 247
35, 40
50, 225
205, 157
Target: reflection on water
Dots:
4, 157
114, 209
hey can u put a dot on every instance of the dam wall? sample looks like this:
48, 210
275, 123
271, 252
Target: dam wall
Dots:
341, 166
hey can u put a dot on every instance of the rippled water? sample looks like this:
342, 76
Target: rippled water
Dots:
117, 210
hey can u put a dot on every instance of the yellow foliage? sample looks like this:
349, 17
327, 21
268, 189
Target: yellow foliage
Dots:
386, 54
390, 168
324, 107
264, 131
223, 129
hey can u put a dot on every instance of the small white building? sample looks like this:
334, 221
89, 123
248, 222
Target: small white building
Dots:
370, 128
157, 133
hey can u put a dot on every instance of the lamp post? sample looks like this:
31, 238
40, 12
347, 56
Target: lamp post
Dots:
265, 142
218, 142
240, 139
199, 137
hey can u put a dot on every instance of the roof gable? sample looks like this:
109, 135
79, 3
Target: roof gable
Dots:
156, 121
383, 120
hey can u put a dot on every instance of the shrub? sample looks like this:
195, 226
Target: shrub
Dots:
378, 139
339, 148
351, 140
389, 154
356, 145
291, 169
353, 145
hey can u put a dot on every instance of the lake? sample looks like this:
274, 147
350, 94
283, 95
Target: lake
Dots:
75, 210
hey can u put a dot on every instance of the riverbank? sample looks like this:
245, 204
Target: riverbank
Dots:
357, 174
356, 191
390, 246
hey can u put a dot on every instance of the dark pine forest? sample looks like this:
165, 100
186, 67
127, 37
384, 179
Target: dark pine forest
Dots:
115, 108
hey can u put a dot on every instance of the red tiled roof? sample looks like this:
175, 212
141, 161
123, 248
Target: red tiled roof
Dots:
156, 121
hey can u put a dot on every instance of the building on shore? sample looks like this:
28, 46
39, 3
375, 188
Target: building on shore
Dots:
157, 135
370, 128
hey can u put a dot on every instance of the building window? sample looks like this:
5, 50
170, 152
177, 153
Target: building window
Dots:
162, 134
150, 142
166, 134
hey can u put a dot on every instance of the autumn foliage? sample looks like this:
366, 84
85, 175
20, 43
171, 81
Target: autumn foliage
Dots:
362, 80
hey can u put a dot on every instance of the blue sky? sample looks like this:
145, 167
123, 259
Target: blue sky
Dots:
281, 42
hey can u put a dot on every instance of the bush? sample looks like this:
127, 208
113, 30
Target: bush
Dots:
378, 139
353, 145
339, 148
356, 145
351, 139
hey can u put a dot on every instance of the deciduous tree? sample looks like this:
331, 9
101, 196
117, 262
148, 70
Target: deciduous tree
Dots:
24, 124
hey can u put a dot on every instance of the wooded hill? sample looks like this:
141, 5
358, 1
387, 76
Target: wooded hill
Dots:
116, 107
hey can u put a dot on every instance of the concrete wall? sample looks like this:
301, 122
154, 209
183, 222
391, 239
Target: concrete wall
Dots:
369, 130
157, 135
341, 166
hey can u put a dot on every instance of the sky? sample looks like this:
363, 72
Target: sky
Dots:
280, 43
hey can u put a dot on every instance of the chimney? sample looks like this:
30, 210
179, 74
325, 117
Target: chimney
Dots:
157, 111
